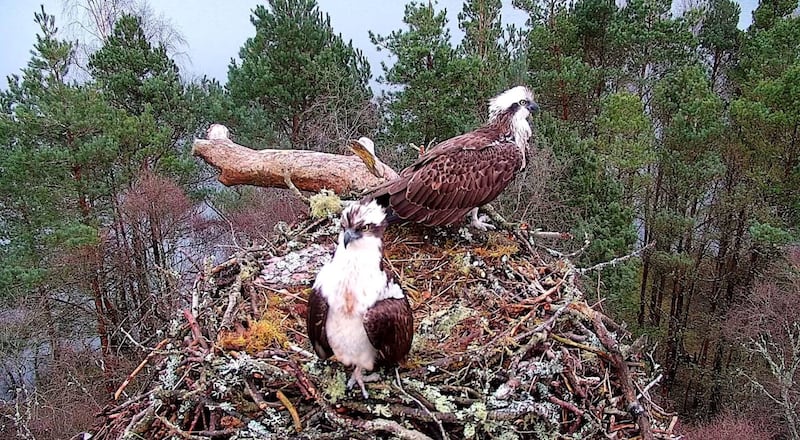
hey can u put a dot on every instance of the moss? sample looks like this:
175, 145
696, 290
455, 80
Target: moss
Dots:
325, 204
452, 317
335, 388
258, 336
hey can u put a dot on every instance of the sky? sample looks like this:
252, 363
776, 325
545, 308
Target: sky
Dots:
215, 30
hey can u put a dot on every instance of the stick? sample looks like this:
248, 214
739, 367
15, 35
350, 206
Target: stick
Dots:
399, 384
139, 368
615, 261
257, 397
288, 404
623, 373
570, 342
197, 334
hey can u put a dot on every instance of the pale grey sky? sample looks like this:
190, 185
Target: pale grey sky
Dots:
215, 30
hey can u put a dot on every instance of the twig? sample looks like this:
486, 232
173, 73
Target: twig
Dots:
257, 397
233, 296
174, 429
139, 368
570, 342
399, 385
650, 385
545, 293
301, 351
520, 236
566, 405
543, 327
288, 404
561, 255
197, 334
615, 261
553, 235
287, 179
393, 427
405, 411
139, 423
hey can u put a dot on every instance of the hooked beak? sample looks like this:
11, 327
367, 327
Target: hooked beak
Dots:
533, 107
350, 235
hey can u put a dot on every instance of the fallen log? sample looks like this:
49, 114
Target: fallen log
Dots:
306, 170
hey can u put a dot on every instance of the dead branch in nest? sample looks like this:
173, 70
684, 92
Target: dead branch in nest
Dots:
615, 261
139, 368
623, 372
305, 170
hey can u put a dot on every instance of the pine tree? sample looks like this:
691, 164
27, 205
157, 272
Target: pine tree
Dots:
485, 41
53, 150
720, 37
434, 91
297, 71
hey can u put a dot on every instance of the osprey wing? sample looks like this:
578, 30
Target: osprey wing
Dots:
316, 318
457, 175
390, 328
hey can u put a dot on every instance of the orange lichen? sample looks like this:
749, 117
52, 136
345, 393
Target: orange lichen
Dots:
256, 337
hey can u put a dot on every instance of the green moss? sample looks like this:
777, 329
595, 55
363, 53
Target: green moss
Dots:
325, 204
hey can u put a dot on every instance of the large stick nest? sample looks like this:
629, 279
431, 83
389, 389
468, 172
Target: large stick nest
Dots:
506, 346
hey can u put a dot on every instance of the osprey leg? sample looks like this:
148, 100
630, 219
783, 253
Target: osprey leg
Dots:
358, 378
480, 222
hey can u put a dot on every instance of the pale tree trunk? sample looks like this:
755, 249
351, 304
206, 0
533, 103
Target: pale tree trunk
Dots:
304, 169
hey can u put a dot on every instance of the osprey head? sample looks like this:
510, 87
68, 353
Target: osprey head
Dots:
362, 225
518, 100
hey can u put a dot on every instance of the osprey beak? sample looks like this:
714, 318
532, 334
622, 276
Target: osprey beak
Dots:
533, 107
350, 235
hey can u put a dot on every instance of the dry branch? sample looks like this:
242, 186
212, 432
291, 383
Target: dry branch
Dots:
307, 170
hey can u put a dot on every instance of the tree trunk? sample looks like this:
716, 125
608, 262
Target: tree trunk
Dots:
306, 170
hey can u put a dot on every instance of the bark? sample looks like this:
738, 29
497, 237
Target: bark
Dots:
307, 170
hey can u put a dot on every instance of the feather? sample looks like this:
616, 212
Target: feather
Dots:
316, 319
466, 171
390, 329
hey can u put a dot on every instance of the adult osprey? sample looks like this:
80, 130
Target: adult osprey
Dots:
356, 311
462, 173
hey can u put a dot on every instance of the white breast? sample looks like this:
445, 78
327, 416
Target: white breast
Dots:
349, 341
351, 283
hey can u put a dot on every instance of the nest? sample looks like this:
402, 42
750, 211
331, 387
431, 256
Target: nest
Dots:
506, 346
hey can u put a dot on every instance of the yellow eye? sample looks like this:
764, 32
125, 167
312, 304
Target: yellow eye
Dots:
523, 102
367, 227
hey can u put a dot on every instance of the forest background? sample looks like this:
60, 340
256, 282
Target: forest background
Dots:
660, 124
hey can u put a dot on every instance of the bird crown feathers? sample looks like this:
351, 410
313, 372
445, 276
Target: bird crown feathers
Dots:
505, 100
366, 213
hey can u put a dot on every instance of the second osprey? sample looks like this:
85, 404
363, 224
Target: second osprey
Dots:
462, 173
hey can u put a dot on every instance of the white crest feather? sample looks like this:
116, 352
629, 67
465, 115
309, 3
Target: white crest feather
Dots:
371, 213
505, 100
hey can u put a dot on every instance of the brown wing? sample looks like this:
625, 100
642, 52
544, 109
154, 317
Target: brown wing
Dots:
455, 176
316, 318
390, 329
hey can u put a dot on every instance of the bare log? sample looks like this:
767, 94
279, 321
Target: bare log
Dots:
307, 170
626, 382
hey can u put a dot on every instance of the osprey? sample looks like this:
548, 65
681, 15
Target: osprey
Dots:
462, 173
356, 311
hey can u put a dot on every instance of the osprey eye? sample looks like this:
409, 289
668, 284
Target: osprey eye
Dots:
367, 227
523, 102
